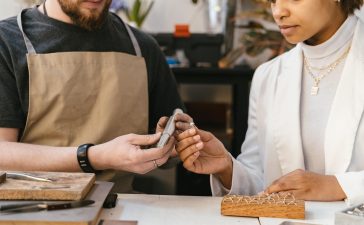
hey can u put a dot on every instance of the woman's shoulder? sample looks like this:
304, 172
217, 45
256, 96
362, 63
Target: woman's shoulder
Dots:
278, 61
270, 70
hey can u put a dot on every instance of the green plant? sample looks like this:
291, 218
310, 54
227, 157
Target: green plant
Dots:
139, 11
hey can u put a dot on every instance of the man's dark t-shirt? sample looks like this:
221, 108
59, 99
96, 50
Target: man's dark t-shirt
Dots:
49, 36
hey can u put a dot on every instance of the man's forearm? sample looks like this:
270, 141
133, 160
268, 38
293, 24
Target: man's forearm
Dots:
28, 157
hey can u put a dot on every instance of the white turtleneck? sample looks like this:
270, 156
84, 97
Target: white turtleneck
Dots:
315, 109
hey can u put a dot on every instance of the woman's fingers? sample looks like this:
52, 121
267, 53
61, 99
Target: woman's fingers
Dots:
189, 162
183, 117
277, 187
185, 143
185, 134
182, 126
183, 122
290, 181
297, 194
190, 151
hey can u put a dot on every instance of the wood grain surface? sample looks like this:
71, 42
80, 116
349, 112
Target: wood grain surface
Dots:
88, 215
64, 186
256, 206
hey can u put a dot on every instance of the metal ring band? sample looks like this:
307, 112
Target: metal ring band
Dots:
155, 163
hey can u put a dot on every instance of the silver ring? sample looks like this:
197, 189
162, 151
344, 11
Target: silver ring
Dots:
155, 163
192, 124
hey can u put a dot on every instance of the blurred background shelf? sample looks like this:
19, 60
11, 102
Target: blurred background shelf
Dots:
226, 120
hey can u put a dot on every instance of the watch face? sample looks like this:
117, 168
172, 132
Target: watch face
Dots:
296, 223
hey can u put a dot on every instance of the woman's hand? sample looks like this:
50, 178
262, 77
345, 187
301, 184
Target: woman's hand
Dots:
183, 122
308, 186
125, 153
201, 152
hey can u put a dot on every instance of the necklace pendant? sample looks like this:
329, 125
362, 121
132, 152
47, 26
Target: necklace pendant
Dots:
314, 90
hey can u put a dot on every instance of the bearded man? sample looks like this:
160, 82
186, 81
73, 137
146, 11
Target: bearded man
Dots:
76, 87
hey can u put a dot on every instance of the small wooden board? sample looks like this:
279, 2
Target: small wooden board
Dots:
64, 186
88, 215
263, 206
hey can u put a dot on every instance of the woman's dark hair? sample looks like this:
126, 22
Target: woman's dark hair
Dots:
349, 6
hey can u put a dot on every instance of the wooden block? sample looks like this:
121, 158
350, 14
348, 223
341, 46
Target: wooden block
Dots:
64, 186
273, 205
2, 177
88, 215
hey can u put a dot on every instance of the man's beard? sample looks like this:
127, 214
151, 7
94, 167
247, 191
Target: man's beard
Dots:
89, 19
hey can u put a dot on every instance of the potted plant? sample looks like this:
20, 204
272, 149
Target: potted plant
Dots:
137, 14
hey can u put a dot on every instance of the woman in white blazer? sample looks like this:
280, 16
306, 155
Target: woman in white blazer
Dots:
306, 128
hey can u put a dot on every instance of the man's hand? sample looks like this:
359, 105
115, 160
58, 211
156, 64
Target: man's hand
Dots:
161, 124
125, 153
308, 186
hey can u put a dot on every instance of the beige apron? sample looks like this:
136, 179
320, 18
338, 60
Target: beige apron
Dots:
86, 97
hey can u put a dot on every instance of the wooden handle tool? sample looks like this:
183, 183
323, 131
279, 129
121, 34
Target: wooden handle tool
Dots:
2, 177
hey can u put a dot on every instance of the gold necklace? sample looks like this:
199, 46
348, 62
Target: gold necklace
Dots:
325, 70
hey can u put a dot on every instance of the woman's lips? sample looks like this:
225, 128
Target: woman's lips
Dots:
288, 29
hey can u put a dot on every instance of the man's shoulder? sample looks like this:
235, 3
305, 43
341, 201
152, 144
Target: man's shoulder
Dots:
142, 37
8, 27
10, 21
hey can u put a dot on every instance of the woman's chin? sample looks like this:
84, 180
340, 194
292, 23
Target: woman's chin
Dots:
293, 40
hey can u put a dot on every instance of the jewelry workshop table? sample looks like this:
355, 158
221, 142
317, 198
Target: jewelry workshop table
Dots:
172, 210
192, 210
322, 213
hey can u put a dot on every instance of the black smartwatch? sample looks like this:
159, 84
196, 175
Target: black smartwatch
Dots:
82, 159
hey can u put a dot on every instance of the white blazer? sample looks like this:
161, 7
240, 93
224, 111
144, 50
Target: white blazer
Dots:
273, 144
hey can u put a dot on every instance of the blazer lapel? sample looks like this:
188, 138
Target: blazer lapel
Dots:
287, 139
347, 109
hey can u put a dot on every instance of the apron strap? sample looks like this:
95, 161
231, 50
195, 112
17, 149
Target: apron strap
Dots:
133, 39
31, 50
28, 44
138, 52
